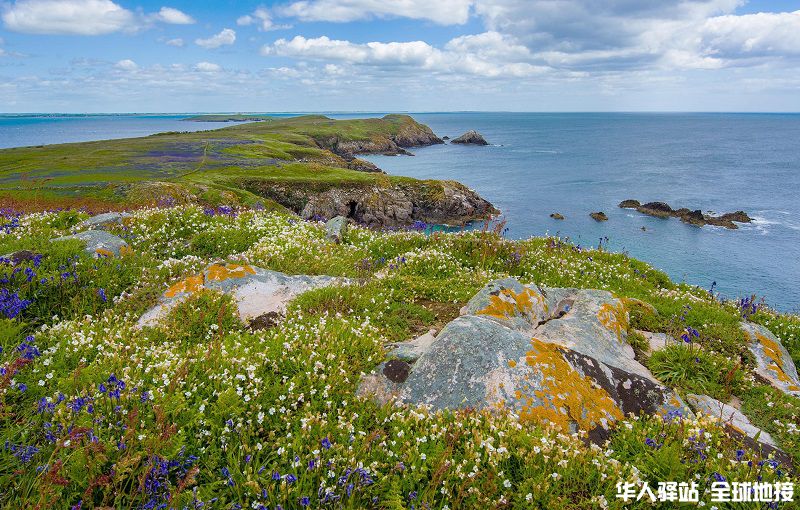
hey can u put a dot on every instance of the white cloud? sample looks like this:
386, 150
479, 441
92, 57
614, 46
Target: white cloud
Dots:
760, 34
262, 18
224, 38
207, 67
173, 16
73, 17
444, 12
462, 55
126, 65
177, 42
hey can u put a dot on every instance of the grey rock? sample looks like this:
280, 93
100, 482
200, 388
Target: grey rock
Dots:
774, 364
101, 221
412, 350
471, 137
99, 243
551, 354
258, 293
336, 229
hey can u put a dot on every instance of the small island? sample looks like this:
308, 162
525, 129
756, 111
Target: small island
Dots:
692, 217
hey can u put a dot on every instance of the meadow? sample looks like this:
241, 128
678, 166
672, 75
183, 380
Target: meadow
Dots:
204, 411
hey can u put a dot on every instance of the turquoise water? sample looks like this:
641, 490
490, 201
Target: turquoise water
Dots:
578, 163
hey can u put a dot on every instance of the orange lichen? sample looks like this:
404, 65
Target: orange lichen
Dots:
104, 253
564, 396
189, 285
508, 304
614, 318
219, 273
126, 251
512, 363
773, 351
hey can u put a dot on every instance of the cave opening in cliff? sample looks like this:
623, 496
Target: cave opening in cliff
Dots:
353, 205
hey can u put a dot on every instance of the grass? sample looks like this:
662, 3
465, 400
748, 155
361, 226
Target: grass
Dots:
246, 157
202, 409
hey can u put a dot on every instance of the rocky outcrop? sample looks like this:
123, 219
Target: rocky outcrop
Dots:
336, 229
546, 354
692, 217
99, 243
394, 205
406, 133
774, 363
557, 216
471, 137
261, 295
738, 425
104, 220
599, 216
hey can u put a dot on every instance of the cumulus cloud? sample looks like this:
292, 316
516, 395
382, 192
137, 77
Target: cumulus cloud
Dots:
207, 67
173, 16
760, 34
224, 38
262, 18
73, 17
414, 54
126, 65
177, 42
444, 12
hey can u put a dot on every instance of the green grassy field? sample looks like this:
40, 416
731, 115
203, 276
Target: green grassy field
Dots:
200, 411
207, 165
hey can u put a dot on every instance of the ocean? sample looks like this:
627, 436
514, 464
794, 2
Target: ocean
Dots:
577, 163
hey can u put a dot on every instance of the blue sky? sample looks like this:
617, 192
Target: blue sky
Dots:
399, 55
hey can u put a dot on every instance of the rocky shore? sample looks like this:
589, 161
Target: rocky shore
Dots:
692, 217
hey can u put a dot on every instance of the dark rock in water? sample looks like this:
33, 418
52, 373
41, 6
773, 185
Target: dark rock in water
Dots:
557, 216
471, 137
738, 216
599, 216
692, 217
396, 371
445, 138
657, 209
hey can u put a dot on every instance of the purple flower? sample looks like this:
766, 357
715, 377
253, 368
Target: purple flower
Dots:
22, 387
102, 293
290, 478
326, 443
304, 501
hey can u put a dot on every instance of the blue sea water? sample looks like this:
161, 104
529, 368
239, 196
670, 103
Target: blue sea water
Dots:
575, 163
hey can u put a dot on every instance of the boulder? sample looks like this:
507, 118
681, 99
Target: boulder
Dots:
738, 425
737, 216
258, 293
412, 350
101, 221
774, 364
599, 216
471, 137
100, 243
692, 217
336, 229
657, 341
545, 354
557, 216
629, 204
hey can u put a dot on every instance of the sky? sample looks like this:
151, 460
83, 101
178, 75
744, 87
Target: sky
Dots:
91, 56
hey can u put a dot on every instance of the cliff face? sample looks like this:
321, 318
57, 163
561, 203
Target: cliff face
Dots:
392, 205
403, 132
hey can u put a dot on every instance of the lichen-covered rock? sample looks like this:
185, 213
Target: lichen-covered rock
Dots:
256, 291
730, 416
336, 229
546, 354
774, 362
412, 350
100, 243
101, 221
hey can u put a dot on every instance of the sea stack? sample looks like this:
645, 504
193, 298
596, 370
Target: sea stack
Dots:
471, 137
